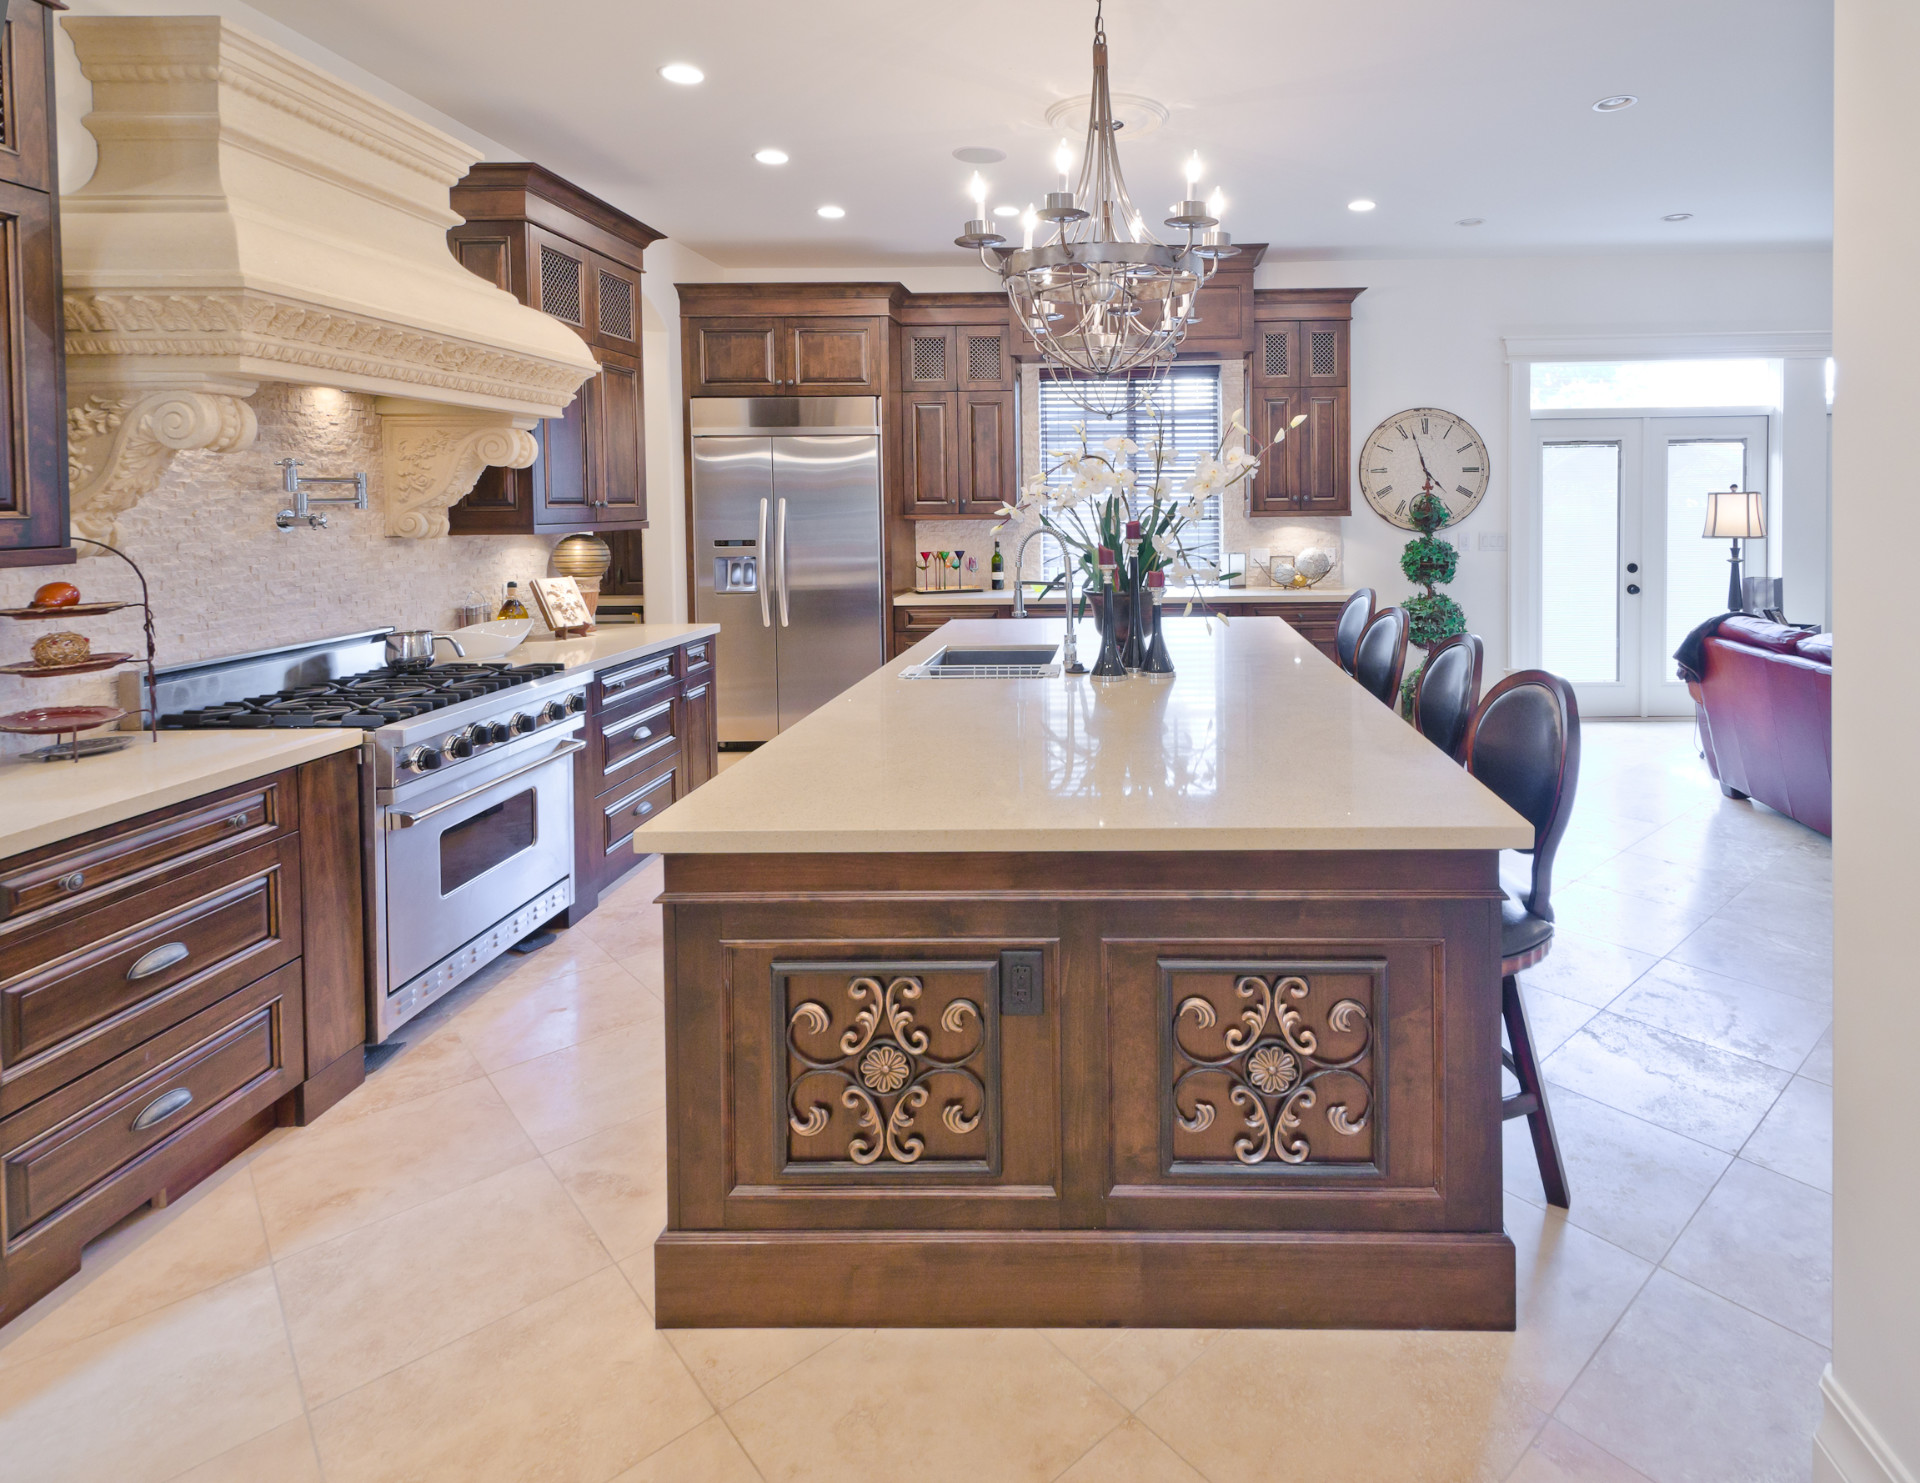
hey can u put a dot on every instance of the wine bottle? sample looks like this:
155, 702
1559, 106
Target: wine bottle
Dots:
513, 607
999, 568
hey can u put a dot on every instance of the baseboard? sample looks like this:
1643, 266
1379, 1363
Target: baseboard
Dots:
1846, 1448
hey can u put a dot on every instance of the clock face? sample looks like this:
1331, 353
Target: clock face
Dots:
1410, 447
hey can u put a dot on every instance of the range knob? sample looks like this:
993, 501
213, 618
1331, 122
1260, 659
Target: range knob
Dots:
419, 759
459, 745
552, 711
521, 724
576, 702
496, 732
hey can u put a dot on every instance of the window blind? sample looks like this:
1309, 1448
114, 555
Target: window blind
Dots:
1187, 399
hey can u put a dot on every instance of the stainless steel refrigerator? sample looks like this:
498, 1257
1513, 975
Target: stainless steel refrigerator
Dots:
787, 552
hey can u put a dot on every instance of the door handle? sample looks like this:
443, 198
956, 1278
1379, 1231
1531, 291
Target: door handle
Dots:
1633, 588
408, 820
780, 540
158, 961
766, 613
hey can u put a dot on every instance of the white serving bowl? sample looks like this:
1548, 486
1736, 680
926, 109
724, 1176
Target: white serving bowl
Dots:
489, 640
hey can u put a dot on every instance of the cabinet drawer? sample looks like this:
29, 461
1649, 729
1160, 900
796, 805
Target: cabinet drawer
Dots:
90, 987
628, 812
229, 1063
923, 621
634, 741
83, 872
696, 658
631, 681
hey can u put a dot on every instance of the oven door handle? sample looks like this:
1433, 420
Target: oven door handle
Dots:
403, 820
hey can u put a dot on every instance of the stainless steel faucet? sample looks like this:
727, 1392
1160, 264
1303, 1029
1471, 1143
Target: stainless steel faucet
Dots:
1069, 662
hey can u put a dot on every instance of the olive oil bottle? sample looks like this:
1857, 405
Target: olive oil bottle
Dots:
513, 607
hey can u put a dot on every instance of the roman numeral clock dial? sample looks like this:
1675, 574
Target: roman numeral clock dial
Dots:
1411, 447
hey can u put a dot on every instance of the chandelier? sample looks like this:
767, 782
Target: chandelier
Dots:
1103, 296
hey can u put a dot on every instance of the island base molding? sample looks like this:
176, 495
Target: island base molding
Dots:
1066, 1279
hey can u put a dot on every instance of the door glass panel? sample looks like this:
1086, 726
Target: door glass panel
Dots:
474, 846
1697, 567
1580, 560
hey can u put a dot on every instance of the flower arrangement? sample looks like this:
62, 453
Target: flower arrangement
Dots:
1092, 508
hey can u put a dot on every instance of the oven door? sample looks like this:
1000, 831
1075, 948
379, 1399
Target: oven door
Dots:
461, 856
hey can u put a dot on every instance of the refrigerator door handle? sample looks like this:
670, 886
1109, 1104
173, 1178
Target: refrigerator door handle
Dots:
760, 546
780, 540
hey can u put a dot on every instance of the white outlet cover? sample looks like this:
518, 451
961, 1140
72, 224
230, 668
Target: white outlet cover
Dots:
1493, 540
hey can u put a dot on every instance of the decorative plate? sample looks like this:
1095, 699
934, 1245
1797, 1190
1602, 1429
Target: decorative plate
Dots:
47, 671
72, 610
50, 720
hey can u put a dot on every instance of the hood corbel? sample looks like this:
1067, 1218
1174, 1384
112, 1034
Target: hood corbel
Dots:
254, 219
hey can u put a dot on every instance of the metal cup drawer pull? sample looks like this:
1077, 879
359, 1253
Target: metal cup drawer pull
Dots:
161, 1108
161, 958
643, 808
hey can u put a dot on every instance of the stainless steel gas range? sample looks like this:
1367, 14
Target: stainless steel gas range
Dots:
467, 793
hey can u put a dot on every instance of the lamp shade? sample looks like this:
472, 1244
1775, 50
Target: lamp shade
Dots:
1736, 514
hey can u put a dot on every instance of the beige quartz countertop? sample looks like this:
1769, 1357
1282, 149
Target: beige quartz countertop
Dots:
1177, 597
42, 802
609, 645
1259, 743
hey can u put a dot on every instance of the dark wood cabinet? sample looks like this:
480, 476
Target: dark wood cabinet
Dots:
989, 452
929, 456
175, 986
957, 415
576, 258
788, 356
33, 433
1298, 368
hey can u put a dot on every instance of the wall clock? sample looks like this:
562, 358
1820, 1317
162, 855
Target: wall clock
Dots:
1408, 447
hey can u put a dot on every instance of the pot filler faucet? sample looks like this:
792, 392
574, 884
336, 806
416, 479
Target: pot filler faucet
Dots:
1069, 663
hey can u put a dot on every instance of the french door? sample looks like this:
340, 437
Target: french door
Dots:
1624, 569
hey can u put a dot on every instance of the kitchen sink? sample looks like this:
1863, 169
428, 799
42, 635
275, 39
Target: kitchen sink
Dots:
989, 662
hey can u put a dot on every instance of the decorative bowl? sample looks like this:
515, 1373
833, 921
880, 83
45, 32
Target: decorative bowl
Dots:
490, 640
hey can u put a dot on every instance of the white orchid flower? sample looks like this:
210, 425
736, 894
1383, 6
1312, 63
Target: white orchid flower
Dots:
1238, 460
1120, 446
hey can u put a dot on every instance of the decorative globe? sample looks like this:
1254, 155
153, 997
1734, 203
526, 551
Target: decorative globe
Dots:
1313, 563
583, 557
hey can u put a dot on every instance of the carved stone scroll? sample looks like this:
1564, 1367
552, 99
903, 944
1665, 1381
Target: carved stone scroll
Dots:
119, 445
431, 457
1272, 1064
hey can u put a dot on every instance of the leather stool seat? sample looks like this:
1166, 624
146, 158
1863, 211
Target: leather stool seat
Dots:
1522, 935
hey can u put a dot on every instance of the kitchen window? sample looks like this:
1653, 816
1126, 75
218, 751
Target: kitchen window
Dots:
1188, 401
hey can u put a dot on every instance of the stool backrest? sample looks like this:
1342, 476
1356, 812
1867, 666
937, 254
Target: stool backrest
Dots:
1524, 744
1447, 691
1382, 654
1354, 618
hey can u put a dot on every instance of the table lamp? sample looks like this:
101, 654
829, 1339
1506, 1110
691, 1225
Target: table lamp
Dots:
1736, 515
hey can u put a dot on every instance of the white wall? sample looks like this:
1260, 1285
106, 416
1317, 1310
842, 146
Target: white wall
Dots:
1875, 1376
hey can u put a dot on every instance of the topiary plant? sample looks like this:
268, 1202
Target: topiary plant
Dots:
1432, 616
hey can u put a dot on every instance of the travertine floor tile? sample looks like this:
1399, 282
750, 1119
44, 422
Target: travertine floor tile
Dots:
1130, 1453
707, 1454
1669, 883
1363, 1407
618, 1178
210, 1237
565, 1095
639, 1273
1754, 956
154, 1396
574, 1389
1585, 968
1131, 1364
517, 1022
1818, 1065
1766, 1242
332, 1179
730, 1364
373, 1299
1552, 1017
1679, 1084
1627, 921
941, 1406
432, 1059
1559, 1455
283, 1455
1690, 1387
1796, 1139
1571, 1288
1632, 1183
1763, 1025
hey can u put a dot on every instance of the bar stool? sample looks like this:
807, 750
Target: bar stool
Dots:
1381, 655
1447, 691
1354, 618
1524, 744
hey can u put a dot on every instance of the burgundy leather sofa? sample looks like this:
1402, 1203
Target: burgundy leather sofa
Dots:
1765, 702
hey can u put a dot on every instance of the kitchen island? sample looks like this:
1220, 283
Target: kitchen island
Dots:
1042, 1002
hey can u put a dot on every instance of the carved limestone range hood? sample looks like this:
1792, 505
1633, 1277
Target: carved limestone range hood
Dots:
253, 219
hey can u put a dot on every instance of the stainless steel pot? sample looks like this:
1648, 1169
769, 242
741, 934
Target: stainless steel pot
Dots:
412, 648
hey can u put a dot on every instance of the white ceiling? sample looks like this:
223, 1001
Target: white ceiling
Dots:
1436, 111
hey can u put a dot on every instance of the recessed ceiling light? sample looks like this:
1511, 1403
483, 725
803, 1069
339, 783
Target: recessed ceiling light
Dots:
1678, 216
1471, 221
771, 156
832, 213
979, 154
684, 73
1004, 210
1614, 104
1363, 204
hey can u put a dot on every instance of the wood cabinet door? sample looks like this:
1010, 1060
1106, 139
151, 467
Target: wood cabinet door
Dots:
619, 485
983, 358
989, 451
33, 459
735, 356
930, 455
832, 356
616, 307
1323, 485
25, 112
1275, 482
1323, 352
699, 735
560, 279
562, 473
1276, 355
926, 359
